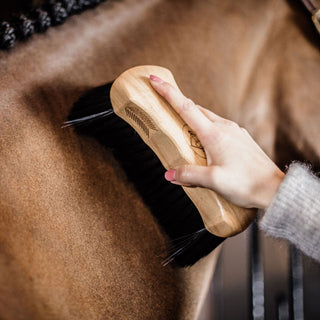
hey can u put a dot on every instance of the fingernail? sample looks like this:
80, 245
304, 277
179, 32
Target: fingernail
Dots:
155, 78
170, 175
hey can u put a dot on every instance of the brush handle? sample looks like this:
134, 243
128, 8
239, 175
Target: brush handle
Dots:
163, 130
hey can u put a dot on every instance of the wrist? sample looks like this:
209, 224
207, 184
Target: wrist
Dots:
267, 189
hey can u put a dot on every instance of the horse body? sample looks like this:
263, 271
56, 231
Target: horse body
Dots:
76, 240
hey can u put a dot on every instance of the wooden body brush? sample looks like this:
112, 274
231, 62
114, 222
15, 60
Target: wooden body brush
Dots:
132, 98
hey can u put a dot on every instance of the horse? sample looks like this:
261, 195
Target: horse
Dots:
76, 239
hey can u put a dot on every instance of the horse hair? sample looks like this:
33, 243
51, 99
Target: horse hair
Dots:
23, 25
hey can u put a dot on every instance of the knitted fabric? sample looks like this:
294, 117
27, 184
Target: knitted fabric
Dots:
294, 213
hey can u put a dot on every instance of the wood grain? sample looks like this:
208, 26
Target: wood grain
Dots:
162, 129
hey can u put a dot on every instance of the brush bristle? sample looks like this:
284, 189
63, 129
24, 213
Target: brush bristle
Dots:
189, 241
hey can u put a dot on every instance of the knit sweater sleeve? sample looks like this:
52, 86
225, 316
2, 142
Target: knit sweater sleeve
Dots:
294, 212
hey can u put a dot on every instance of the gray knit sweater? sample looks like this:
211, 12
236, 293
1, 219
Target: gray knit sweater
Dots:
294, 213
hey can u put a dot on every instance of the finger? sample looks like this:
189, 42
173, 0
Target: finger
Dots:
185, 107
211, 115
245, 131
189, 175
256, 144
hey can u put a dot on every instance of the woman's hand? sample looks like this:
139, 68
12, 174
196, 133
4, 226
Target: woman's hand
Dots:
237, 168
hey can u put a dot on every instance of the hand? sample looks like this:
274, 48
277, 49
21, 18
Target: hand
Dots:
237, 168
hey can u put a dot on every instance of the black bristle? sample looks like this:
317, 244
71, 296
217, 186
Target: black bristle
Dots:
169, 204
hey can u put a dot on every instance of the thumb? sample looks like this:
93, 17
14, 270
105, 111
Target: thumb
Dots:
189, 175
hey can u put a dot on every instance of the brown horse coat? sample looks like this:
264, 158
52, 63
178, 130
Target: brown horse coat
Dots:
76, 240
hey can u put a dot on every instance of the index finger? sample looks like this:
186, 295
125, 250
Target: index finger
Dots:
185, 107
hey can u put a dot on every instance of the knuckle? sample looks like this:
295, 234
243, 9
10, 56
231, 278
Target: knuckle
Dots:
232, 124
205, 136
213, 136
183, 173
166, 86
167, 90
187, 105
228, 130
212, 175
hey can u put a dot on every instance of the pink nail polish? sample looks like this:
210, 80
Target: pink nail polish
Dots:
170, 175
155, 78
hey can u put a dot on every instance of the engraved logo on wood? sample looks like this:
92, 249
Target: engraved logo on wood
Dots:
141, 118
193, 141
